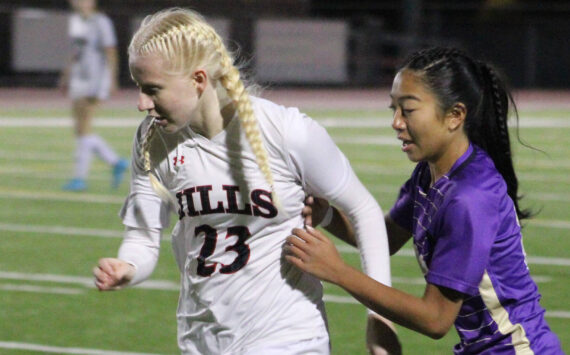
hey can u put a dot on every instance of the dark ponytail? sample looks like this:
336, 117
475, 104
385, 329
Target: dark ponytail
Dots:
455, 77
497, 100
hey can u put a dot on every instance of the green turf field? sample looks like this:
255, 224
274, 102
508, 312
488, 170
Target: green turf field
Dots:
50, 239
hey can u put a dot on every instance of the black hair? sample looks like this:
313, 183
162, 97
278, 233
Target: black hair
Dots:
454, 77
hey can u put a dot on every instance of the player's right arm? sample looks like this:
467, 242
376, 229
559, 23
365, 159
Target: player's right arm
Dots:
112, 274
340, 226
145, 215
135, 263
432, 314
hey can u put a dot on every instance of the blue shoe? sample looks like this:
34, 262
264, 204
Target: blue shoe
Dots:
75, 184
119, 172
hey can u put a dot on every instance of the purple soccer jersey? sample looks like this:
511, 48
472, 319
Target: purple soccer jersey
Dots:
467, 238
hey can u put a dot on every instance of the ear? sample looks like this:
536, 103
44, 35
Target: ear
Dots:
456, 116
200, 80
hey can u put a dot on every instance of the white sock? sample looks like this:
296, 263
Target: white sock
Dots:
83, 155
102, 149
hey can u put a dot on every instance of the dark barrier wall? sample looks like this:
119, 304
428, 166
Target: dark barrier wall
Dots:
528, 40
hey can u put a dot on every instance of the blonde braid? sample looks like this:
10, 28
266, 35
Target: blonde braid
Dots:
229, 77
230, 80
157, 186
239, 95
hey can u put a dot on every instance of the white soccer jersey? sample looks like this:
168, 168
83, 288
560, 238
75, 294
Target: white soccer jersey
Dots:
90, 74
237, 290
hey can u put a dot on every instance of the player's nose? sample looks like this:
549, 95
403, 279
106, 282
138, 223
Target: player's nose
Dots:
398, 123
144, 103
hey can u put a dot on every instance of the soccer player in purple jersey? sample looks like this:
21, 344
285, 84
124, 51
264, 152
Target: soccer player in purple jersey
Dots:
461, 208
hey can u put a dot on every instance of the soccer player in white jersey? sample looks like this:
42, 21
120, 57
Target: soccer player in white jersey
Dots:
89, 77
236, 170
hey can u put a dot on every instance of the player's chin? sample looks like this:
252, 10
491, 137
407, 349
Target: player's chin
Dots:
414, 155
414, 158
170, 128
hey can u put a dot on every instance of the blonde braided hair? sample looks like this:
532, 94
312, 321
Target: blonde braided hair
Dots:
158, 187
186, 41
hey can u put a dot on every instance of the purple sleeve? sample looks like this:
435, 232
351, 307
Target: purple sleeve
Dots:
464, 233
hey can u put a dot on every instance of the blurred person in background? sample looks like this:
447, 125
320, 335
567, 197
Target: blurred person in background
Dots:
460, 208
89, 77
235, 168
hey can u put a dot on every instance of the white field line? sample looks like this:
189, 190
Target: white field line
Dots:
376, 166
62, 196
87, 282
60, 230
161, 285
392, 190
165, 285
561, 197
536, 260
381, 121
360, 169
386, 122
549, 223
368, 140
543, 164
340, 299
66, 122
353, 139
555, 176
536, 177
40, 289
350, 300
92, 232
34, 156
41, 173
112, 199
62, 350
105, 233
558, 314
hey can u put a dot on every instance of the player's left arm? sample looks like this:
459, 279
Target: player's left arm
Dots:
328, 174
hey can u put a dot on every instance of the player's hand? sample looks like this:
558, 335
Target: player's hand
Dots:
381, 337
311, 251
112, 274
314, 210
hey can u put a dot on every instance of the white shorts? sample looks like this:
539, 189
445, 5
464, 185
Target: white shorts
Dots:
314, 346
99, 87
